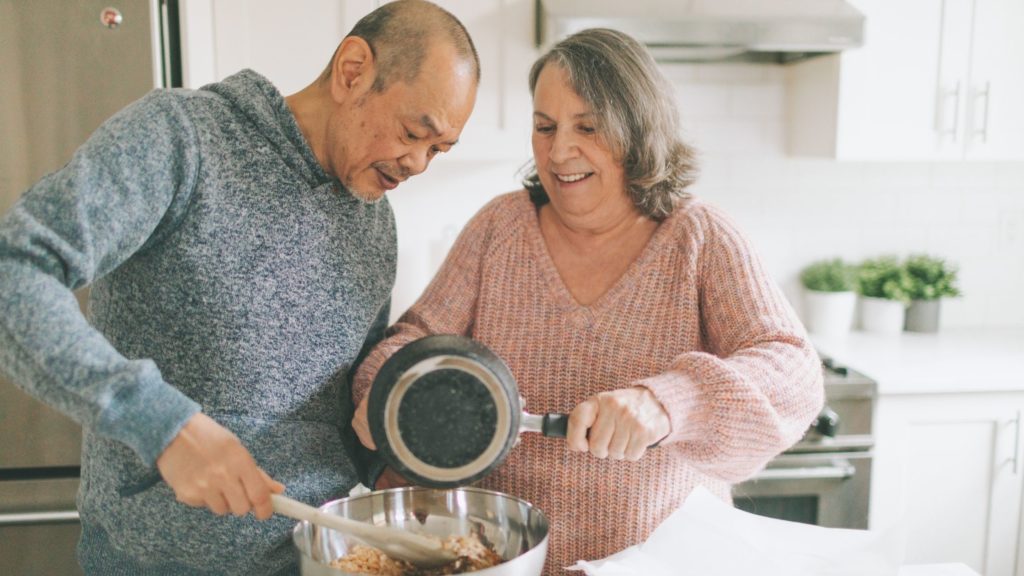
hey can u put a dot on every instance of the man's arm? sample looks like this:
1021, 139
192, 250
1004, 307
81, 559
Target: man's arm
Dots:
121, 190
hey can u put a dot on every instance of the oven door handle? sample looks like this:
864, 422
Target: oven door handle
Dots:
32, 518
839, 470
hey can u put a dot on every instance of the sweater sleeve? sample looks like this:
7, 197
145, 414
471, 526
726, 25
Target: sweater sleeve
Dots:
447, 306
122, 188
757, 385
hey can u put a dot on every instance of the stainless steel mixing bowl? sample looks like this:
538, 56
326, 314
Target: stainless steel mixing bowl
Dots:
516, 529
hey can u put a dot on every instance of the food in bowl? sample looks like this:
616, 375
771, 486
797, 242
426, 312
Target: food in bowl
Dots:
471, 555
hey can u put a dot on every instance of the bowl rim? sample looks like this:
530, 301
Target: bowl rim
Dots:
300, 525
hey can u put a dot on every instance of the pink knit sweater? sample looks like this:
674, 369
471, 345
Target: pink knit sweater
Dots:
696, 319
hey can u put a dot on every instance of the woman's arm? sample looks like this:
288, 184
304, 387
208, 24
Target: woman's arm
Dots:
758, 385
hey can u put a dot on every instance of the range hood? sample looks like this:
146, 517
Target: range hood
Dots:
778, 31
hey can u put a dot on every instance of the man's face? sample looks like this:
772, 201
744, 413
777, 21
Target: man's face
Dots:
376, 140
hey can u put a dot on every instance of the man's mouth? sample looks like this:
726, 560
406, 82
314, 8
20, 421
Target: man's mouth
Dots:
386, 181
572, 178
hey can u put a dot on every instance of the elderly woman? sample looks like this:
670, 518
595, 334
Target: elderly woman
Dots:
613, 295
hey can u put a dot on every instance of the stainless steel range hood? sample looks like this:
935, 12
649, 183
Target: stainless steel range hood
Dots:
712, 30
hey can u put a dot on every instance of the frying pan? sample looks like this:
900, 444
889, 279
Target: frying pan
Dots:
445, 411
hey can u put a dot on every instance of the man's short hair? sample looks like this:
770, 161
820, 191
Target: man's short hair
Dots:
400, 33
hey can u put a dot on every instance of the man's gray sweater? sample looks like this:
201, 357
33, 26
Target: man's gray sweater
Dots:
230, 274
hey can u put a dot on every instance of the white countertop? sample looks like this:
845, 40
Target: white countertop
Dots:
937, 570
952, 360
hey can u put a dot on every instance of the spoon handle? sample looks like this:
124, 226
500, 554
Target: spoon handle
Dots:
294, 509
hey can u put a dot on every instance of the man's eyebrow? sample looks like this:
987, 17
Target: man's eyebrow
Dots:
429, 123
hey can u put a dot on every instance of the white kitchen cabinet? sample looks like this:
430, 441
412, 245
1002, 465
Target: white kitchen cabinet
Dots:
950, 466
291, 42
935, 80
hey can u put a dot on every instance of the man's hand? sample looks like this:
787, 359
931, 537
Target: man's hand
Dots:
207, 466
620, 424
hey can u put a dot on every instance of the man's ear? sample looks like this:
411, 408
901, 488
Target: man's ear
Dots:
352, 69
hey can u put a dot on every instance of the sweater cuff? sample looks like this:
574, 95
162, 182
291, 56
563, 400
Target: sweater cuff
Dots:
681, 398
146, 414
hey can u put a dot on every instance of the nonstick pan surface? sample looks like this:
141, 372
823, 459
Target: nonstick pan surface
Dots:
445, 410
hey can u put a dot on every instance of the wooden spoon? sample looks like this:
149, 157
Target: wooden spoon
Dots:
395, 542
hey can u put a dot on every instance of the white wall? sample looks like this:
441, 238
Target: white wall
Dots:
795, 210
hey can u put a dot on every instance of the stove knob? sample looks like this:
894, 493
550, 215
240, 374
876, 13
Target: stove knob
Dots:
827, 422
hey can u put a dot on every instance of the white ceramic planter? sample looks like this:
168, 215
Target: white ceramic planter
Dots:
829, 313
881, 315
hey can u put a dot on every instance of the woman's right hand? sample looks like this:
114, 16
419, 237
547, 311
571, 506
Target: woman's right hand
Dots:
207, 466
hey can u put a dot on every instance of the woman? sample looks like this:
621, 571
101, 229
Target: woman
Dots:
610, 293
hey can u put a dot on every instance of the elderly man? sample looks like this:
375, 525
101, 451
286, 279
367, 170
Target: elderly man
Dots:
240, 256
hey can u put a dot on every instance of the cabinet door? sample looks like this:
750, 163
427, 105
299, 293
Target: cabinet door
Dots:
996, 97
291, 43
950, 467
502, 31
885, 100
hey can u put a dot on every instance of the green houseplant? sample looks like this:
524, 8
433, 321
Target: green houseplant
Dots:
884, 286
829, 299
931, 278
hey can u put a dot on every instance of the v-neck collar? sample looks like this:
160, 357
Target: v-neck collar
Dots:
585, 314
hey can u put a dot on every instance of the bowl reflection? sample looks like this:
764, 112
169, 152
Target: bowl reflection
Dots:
514, 528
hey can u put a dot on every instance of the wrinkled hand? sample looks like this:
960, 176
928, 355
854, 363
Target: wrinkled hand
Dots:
207, 466
361, 424
619, 424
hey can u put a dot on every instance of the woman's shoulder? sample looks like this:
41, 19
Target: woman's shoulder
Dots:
696, 217
506, 212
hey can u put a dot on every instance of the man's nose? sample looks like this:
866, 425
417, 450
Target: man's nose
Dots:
415, 161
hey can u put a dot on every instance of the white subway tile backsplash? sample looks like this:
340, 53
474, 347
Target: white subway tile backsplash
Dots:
795, 210
963, 175
757, 101
702, 101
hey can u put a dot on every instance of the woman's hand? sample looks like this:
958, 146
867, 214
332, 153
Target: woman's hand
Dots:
390, 479
207, 466
361, 424
620, 424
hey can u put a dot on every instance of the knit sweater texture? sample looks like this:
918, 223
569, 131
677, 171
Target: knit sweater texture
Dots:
230, 274
695, 319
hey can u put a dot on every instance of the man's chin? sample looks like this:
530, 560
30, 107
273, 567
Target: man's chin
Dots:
366, 195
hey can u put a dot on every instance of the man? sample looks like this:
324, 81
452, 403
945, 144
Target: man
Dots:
240, 259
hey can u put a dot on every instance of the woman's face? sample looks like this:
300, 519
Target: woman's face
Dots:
575, 164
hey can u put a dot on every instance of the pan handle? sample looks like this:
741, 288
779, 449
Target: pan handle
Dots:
553, 425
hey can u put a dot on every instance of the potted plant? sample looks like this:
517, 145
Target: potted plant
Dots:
931, 278
883, 285
829, 299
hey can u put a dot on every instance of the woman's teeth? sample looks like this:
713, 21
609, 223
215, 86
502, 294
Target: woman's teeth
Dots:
571, 177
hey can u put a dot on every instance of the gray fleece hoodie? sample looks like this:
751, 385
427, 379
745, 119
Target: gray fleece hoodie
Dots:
229, 274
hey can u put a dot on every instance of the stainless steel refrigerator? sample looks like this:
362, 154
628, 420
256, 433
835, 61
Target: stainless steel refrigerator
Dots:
65, 67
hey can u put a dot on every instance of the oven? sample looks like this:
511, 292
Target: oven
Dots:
39, 468
825, 478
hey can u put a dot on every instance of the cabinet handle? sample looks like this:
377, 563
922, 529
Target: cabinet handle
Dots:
1016, 442
940, 114
840, 471
29, 518
986, 94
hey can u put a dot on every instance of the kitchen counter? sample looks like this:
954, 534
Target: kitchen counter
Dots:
937, 570
950, 361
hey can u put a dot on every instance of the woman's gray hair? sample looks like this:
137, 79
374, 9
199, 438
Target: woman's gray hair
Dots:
635, 111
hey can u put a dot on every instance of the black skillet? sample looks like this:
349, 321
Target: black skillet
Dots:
445, 411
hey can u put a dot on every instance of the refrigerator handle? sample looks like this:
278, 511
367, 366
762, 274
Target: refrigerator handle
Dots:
33, 518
